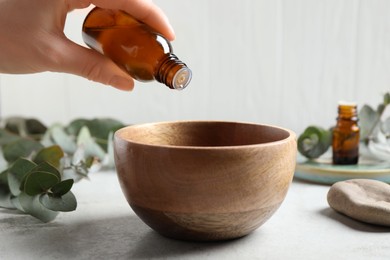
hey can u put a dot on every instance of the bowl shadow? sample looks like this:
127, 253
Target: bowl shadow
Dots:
124, 237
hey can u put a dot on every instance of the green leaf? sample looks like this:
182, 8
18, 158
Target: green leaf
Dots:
25, 127
32, 205
91, 148
385, 127
100, 129
67, 202
7, 137
78, 170
5, 193
62, 188
16, 203
88, 162
380, 109
65, 141
17, 172
16, 125
46, 139
4, 178
75, 126
386, 99
20, 148
314, 142
3, 163
35, 127
368, 119
39, 182
47, 167
52, 155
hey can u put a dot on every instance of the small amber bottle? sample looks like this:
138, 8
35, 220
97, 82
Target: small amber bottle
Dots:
346, 135
145, 54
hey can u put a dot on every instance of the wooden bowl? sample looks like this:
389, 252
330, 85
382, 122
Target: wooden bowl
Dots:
204, 180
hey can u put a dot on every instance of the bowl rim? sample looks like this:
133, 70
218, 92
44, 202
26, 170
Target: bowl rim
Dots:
292, 135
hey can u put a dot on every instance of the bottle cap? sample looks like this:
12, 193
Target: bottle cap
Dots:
347, 103
182, 78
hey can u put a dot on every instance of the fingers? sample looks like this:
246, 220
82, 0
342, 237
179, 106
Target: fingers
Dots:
78, 4
143, 10
92, 65
147, 12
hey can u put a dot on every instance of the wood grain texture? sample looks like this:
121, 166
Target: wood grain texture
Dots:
204, 180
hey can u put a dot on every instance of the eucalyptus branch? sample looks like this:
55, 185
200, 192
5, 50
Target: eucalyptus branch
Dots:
39, 165
380, 110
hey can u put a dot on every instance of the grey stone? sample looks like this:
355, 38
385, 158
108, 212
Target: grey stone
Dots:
362, 199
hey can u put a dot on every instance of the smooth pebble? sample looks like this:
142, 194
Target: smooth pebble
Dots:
362, 199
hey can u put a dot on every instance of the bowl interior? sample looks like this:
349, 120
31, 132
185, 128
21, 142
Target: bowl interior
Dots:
202, 134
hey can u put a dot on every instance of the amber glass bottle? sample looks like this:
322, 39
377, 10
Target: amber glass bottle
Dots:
346, 135
145, 54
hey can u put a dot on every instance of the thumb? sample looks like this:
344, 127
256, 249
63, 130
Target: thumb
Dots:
94, 66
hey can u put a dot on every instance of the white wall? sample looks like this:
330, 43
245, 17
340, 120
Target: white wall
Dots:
282, 62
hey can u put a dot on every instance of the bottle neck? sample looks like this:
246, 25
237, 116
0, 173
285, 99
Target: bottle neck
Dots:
173, 72
347, 112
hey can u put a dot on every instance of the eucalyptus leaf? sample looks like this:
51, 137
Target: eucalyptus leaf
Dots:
79, 155
79, 158
5, 201
67, 202
26, 127
74, 174
78, 167
5, 193
20, 148
100, 129
386, 99
380, 109
35, 162
16, 125
17, 172
88, 162
7, 137
62, 188
35, 127
380, 150
368, 119
32, 205
64, 140
91, 148
385, 127
47, 167
4, 178
75, 126
46, 139
16, 203
39, 182
314, 142
52, 155
3, 163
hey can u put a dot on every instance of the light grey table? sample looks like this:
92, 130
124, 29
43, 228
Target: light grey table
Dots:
105, 227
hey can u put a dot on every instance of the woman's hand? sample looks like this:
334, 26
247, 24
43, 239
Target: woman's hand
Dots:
33, 40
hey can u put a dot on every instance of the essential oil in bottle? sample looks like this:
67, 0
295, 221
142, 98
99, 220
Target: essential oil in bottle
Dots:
346, 135
142, 52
